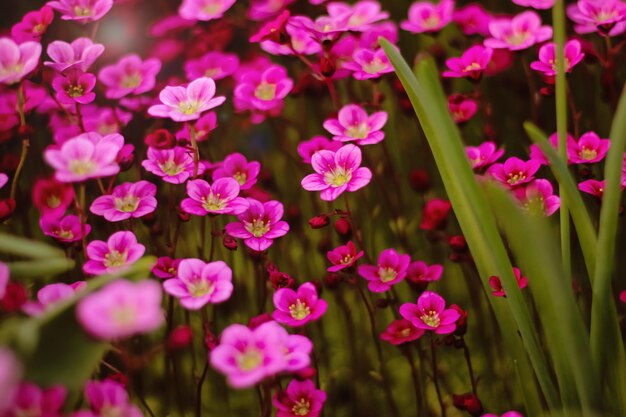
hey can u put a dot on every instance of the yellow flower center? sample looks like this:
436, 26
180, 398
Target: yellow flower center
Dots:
212, 72
431, 318
302, 407
346, 259
588, 154
213, 203
241, 177
265, 91
212, 8
387, 274
75, 91
258, 227
82, 11
123, 315
375, 66
171, 168
431, 22
188, 107
132, 80
65, 234
405, 332
128, 204
358, 131
250, 359
517, 38
516, 177
299, 310
53, 201
337, 177
472, 67
115, 259
80, 167
201, 288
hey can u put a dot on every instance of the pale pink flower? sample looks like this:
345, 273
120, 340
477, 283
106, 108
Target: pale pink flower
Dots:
237, 166
81, 53
17, 61
64, 229
198, 283
4, 179
604, 16
213, 64
119, 252
259, 225
182, 104
262, 10
82, 11
172, 165
391, 268
430, 313
127, 200
263, 90
517, 33
204, 10
323, 28
361, 15
52, 294
547, 57
354, 124
425, 16
221, 197
297, 308
130, 75
369, 63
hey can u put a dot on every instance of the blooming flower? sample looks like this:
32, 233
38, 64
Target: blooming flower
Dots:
33, 25
31, 400
605, 16
368, 63
307, 148
538, 197
323, 28
262, 10
237, 166
201, 128
421, 274
430, 313
82, 11
213, 64
425, 16
173, 165
473, 19
593, 187
127, 200
588, 149
86, 156
297, 308
52, 294
74, 87
130, 75
109, 398
52, 197
81, 53
118, 252
17, 61
263, 90
166, 267
198, 283
10, 375
519, 32
301, 398
182, 104
496, 284
461, 108
362, 14
64, 229
336, 172
390, 269
471, 64
343, 256
535, 4
220, 198
401, 331
204, 10
547, 57
259, 225
483, 155
122, 309
435, 214
353, 123
514, 172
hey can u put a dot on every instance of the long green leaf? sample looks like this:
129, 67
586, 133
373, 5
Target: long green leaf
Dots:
26, 248
40, 267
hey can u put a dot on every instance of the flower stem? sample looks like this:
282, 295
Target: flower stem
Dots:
433, 349
194, 147
470, 369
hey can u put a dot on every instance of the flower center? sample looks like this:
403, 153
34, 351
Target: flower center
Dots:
53, 201
358, 131
37, 29
258, 227
265, 91
338, 177
212, 72
387, 274
302, 407
405, 332
431, 318
516, 177
75, 91
212, 8
517, 38
213, 202
299, 310
80, 167
123, 315
250, 359
171, 168
112, 411
474, 66
535, 205
128, 204
64, 234
132, 80
241, 177
375, 66
82, 11
201, 288
431, 21
346, 259
188, 107
588, 154
115, 259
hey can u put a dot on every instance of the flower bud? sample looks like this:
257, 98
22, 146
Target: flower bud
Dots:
343, 228
7, 207
319, 222
14, 297
160, 139
419, 180
180, 338
229, 242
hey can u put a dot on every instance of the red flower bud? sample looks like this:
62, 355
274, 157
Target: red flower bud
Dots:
229, 242
319, 222
160, 139
343, 228
468, 402
14, 297
180, 338
419, 180
7, 207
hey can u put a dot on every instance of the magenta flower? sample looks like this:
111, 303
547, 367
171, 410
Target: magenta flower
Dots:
182, 104
201, 128
33, 25
471, 64
401, 331
220, 198
31, 400
483, 155
204, 10
82, 11
297, 308
122, 309
547, 57
589, 149
362, 14
369, 63
535, 4
120, 251
307, 148
198, 283
81, 53
51, 294
336, 172
593, 187
86, 156
52, 197
496, 284
64, 229
247, 356
213, 64
425, 16
299, 41
263, 90
297, 352
473, 19
262, 10
109, 398
237, 166
353, 123
173, 165
461, 108
430, 313
323, 28
11, 371
390, 269
604, 16
74, 87
4, 280
343, 256
127, 200
301, 398
538, 197
4, 179
130, 75
421, 274
517, 33
166, 267
514, 172
259, 225
536, 154
17, 61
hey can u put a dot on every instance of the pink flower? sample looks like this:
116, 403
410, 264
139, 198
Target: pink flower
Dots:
51, 294
109, 398
202, 127
593, 187
10, 376
387, 30
390, 269
496, 284
473, 19
127, 200
362, 14
535, 4
74, 87
323, 28
213, 64
262, 10
198, 283
519, 32
204, 10
462, 108
119, 252
343, 256
33, 25
299, 41
435, 214
425, 16
589, 149
86, 156
353, 123
64, 229
547, 57
604, 16
263, 90
17, 61
421, 273
538, 197
130, 75
297, 308
182, 104
514, 172
31, 400
122, 309
220, 198
430, 313
471, 64
307, 148
81, 53
483, 155
369, 63
173, 165
259, 225
401, 331
301, 398
336, 172
4, 179
237, 166
166, 267
536, 154
52, 197
4, 279
82, 11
